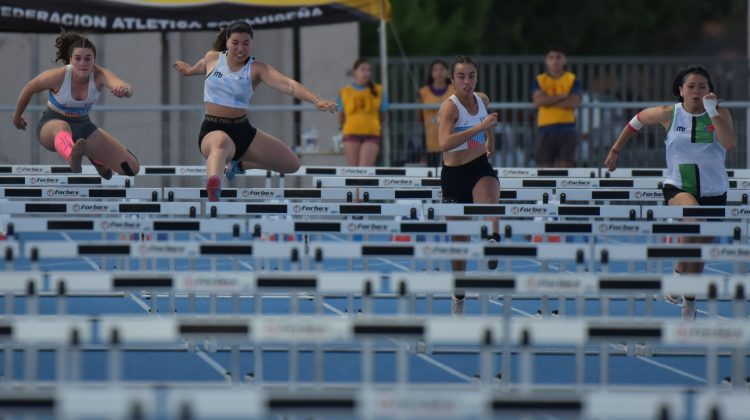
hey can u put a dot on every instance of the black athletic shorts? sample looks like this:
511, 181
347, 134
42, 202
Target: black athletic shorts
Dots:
458, 181
239, 130
81, 127
670, 191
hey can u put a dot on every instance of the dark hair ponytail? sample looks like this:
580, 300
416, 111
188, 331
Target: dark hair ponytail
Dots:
240, 26
463, 59
67, 42
684, 73
370, 84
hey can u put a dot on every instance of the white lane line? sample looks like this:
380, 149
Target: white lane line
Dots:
422, 356
444, 367
399, 266
93, 265
520, 311
672, 369
214, 364
645, 359
140, 302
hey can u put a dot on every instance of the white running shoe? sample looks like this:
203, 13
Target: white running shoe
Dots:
457, 305
689, 312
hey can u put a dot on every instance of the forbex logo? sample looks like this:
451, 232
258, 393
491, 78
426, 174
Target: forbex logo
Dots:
29, 170
257, 193
702, 334
679, 129
124, 225
63, 193
552, 284
604, 228
647, 195
737, 211
575, 183
368, 227
81, 208
218, 74
399, 182
521, 172
44, 180
194, 171
310, 209
527, 210
355, 171
209, 282
717, 252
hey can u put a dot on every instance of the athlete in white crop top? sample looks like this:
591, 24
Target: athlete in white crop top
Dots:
65, 126
698, 136
226, 136
465, 137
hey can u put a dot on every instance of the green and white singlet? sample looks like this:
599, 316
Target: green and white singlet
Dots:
695, 158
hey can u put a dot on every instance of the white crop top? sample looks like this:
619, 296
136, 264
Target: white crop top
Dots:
466, 121
228, 88
63, 101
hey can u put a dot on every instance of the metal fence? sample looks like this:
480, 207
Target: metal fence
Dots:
615, 88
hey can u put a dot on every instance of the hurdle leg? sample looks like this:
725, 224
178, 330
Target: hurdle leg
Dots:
212, 303
738, 367
507, 316
402, 363
8, 352
115, 363
235, 303
153, 300
604, 364
172, 304
30, 363
318, 361
293, 365
191, 302
580, 366
258, 358
712, 373
368, 361
234, 365
484, 304
294, 303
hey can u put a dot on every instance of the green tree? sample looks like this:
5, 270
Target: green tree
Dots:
585, 27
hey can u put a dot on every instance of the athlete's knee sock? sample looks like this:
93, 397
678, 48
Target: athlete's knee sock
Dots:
64, 144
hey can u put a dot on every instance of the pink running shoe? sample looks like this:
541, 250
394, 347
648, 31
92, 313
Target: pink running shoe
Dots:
213, 188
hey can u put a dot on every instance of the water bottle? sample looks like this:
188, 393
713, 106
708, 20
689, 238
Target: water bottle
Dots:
310, 140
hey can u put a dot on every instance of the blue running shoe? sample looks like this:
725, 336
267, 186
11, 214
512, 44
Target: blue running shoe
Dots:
235, 168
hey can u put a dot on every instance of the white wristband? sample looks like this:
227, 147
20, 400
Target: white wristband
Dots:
635, 124
710, 106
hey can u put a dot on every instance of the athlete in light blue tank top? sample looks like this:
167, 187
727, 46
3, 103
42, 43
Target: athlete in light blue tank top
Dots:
65, 127
226, 136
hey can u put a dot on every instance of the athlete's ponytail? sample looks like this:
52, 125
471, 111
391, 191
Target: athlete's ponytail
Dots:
67, 42
240, 26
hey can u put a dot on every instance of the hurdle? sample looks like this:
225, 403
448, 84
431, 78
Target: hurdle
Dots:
100, 207
221, 401
77, 333
57, 180
73, 193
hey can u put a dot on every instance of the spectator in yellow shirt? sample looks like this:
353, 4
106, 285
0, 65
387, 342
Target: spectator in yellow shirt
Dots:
437, 89
362, 109
557, 94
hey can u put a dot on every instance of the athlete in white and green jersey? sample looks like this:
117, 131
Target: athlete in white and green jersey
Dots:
698, 136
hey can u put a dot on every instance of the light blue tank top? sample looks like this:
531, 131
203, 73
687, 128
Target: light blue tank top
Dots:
228, 88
